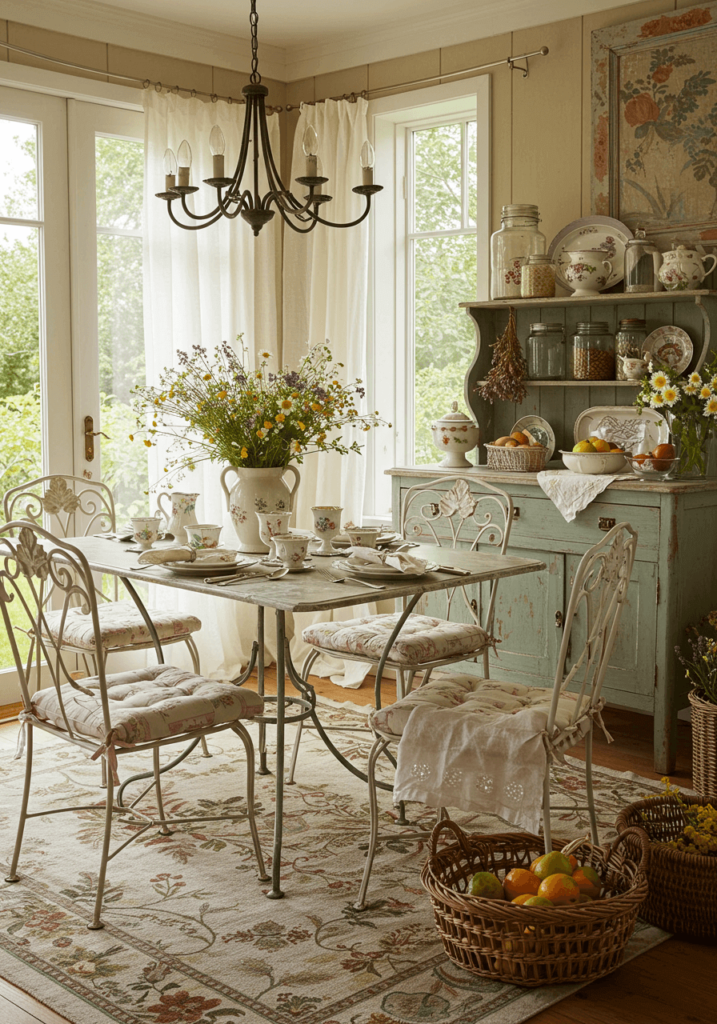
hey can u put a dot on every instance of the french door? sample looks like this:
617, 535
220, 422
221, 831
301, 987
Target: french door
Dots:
71, 338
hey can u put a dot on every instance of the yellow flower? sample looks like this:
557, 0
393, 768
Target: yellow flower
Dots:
258, 374
148, 444
301, 426
131, 437
207, 376
266, 355
286, 404
260, 433
221, 394
695, 378
705, 392
659, 380
316, 407
244, 453
711, 406
280, 417
156, 401
670, 395
268, 424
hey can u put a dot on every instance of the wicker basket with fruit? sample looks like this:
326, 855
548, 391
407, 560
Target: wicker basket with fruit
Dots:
506, 910
517, 452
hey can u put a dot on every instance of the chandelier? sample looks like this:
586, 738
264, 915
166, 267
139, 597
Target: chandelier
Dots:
232, 198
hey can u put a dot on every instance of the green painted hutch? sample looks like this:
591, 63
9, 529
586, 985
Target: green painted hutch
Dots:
674, 580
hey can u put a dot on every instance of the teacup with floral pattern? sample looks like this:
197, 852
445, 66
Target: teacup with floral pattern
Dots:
291, 550
203, 536
145, 530
270, 524
327, 523
363, 536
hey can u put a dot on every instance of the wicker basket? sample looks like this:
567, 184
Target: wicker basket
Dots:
539, 945
517, 460
683, 886
704, 746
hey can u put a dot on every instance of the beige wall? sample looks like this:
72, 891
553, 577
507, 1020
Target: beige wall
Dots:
540, 125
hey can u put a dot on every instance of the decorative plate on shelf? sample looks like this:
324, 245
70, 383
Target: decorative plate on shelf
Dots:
540, 429
605, 233
634, 430
671, 345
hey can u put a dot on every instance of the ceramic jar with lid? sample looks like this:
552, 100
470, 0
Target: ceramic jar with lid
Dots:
684, 268
629, 344
454, 435
642, 264
593, 351
518, 238
537, 277
546, 352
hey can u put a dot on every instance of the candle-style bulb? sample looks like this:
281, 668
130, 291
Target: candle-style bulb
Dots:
170, 169
368, 158
310, 145
216, 147
184, 159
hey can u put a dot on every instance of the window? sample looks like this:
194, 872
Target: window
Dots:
429, 238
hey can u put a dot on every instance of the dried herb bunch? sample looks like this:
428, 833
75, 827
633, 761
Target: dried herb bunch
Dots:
508, 368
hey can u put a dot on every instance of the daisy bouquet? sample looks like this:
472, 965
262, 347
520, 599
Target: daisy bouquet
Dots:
690, 403
214, 407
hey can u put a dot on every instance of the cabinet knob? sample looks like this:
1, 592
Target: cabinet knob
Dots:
558, 620
605, 524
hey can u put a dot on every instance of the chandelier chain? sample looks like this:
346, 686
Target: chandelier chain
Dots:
255, 77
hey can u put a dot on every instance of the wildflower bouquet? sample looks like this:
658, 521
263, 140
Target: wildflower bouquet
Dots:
214, 407
691, 405
699, 834
701, 668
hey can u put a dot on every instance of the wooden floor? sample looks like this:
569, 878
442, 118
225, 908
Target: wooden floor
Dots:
672, 984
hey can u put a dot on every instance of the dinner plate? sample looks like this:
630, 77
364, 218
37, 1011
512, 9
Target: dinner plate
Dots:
634, 430
383, 572
540, 429
201, 568
605, 233
670, 345
384, 539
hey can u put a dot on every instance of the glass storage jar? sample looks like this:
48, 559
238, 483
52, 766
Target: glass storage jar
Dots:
546, 352
629, 343
593, 351
642, 262
537, 277
517, 238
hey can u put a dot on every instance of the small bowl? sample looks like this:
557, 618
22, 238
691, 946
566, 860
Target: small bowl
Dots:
646, 470
203, 536
593, 462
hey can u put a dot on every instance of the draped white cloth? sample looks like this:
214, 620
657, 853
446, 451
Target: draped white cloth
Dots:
202, 288
326, 299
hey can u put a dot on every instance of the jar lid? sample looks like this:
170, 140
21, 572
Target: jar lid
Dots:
455, 416
537, 257
633, 322
593, 325
520, 210
542, 328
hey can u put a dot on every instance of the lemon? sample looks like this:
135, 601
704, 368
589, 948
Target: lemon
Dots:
584, 446
599, 445
554, 863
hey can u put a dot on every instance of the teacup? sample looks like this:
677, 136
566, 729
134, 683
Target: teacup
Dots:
146, 530
291, 550
635, 369
327, 523
270, 524
203, 535
585, 270
363, 536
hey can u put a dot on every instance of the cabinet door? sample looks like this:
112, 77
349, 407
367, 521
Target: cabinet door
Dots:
630, 677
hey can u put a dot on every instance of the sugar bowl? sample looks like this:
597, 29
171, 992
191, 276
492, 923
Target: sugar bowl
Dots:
455, 435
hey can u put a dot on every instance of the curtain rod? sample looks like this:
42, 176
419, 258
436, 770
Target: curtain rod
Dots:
351, 97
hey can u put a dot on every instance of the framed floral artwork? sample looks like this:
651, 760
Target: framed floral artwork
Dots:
654, 125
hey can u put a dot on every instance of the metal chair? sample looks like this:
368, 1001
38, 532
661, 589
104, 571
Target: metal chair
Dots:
598, 594
430, 514
107, 715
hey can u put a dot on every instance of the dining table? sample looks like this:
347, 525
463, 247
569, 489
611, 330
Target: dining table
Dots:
305, 591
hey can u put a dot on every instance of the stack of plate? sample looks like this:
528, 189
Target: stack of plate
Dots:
376, 572
221, 562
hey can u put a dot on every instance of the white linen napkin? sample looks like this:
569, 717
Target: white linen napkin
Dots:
572, 492
400, 560
158, 556
449, 758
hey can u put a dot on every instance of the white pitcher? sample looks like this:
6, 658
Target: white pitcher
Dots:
180, 514
257, 490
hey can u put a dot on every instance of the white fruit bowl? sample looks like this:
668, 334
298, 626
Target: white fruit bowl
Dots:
594, 462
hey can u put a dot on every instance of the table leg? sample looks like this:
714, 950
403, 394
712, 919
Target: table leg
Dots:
276, 893
263, 770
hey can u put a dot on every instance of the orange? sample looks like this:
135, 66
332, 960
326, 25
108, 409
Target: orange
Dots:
599, 444
554, 863
662, 457
487, 885
588, 881
560, 888
519, 882
520, 900
573, 861
539, 901
639, 458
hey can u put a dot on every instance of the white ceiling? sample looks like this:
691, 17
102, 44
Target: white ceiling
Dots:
297, 38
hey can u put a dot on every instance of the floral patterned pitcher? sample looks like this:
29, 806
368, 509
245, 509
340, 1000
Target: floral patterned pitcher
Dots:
181, 513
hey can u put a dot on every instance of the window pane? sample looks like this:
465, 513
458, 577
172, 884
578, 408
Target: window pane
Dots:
18, 169
444, 275
120, 179
119, 172
472, 171
437, 178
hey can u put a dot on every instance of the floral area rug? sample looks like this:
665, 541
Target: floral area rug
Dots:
190, 936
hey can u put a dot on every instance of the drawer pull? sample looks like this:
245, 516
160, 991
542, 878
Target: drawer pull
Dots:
605, 524
516, 513
558, 620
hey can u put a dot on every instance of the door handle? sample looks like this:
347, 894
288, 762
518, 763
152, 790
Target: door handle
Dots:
90, 435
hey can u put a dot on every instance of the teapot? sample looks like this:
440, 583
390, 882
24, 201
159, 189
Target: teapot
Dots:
179, 514
684, 268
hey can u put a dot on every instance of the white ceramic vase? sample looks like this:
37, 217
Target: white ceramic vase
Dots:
257, 490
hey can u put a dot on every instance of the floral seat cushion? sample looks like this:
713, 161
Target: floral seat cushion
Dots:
148, 704
489, 698
422, 640
121, 625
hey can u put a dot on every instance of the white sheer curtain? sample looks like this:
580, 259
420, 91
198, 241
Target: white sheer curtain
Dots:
325, 299
202, 288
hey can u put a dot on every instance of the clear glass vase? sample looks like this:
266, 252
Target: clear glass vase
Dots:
695, 446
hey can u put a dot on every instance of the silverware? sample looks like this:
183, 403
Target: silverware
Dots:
232, 580
453, 570
347, 579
